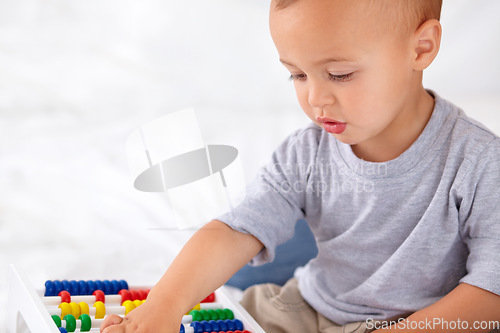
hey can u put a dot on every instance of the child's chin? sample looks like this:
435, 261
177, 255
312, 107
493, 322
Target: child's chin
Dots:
344, 139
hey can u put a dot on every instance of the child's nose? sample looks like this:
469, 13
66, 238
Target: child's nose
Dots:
320, 95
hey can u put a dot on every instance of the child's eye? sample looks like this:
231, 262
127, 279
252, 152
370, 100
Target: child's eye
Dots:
299, 77
342, 77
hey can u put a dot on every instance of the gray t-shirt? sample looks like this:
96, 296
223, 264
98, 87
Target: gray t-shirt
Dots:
393, 237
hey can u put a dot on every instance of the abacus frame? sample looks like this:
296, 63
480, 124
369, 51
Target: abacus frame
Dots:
26, 311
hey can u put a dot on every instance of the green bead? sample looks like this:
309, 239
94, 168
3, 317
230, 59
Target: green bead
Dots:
221, 315
86, 323
196, 315
213, 314
57, 320
205, 314
70, 323
229, 314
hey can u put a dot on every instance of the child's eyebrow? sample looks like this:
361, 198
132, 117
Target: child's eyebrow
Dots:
321, 62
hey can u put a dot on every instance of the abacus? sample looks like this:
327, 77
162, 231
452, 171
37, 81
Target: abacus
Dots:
81, 306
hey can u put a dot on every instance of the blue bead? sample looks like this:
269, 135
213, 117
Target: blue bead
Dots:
197, 327
75, 289
66, 286
108, 290
50, 289
222, 325
238, 324
123, 284
62, 330
99, 285
215, 326
58, 286
182, 329
230, 325
115, 287
206, 326
82, 285
91, 287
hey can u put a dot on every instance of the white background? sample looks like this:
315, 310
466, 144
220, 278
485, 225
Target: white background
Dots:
76, 77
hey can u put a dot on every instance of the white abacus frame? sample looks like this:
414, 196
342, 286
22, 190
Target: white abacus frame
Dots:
27, 313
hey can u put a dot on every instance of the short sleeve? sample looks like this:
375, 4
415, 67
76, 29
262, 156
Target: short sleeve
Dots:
480, 218
275, 199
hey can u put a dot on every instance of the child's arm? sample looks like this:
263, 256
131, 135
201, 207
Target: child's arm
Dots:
207, 261
459, 309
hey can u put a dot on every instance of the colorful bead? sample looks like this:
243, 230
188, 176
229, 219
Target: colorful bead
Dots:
86, 323
213, 315
142, 294
108, 290
123, 284
99, 296
129, 306
196, 315
115, 286
74, 288
58, 286
209, 299
57, 320
84, 308
134, 295
65, 296
75, 309
84, 289
65, 285
100, 310
65, 309
91, 287
137, 302
197, 327
50, 289
70, 323
125, 294
99, 285
222, 325
229, 314
62, 330
214, 326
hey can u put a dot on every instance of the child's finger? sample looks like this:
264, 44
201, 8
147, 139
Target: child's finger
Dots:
110, 320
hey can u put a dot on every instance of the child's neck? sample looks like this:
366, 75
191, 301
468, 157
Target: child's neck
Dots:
401, 134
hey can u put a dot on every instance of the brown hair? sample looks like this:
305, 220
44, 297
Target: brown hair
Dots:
410, 12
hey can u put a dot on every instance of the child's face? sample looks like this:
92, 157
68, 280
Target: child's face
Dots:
359, 78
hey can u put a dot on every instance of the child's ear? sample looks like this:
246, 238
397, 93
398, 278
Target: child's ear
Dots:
426, 42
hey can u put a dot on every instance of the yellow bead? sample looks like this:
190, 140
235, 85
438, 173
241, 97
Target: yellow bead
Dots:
84, 308
65, 309
100, 310
129, 306
137, 302
75, 309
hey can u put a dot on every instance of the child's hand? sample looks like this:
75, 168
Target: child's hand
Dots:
146, 318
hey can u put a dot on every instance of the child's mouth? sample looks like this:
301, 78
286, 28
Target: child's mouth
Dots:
334, 127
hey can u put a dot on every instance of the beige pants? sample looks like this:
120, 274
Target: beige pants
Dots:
283, 310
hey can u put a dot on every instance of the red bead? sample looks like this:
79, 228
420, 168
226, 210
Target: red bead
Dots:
125, 294
142, 294
65, 296
134, 295
209, 299
99, 296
